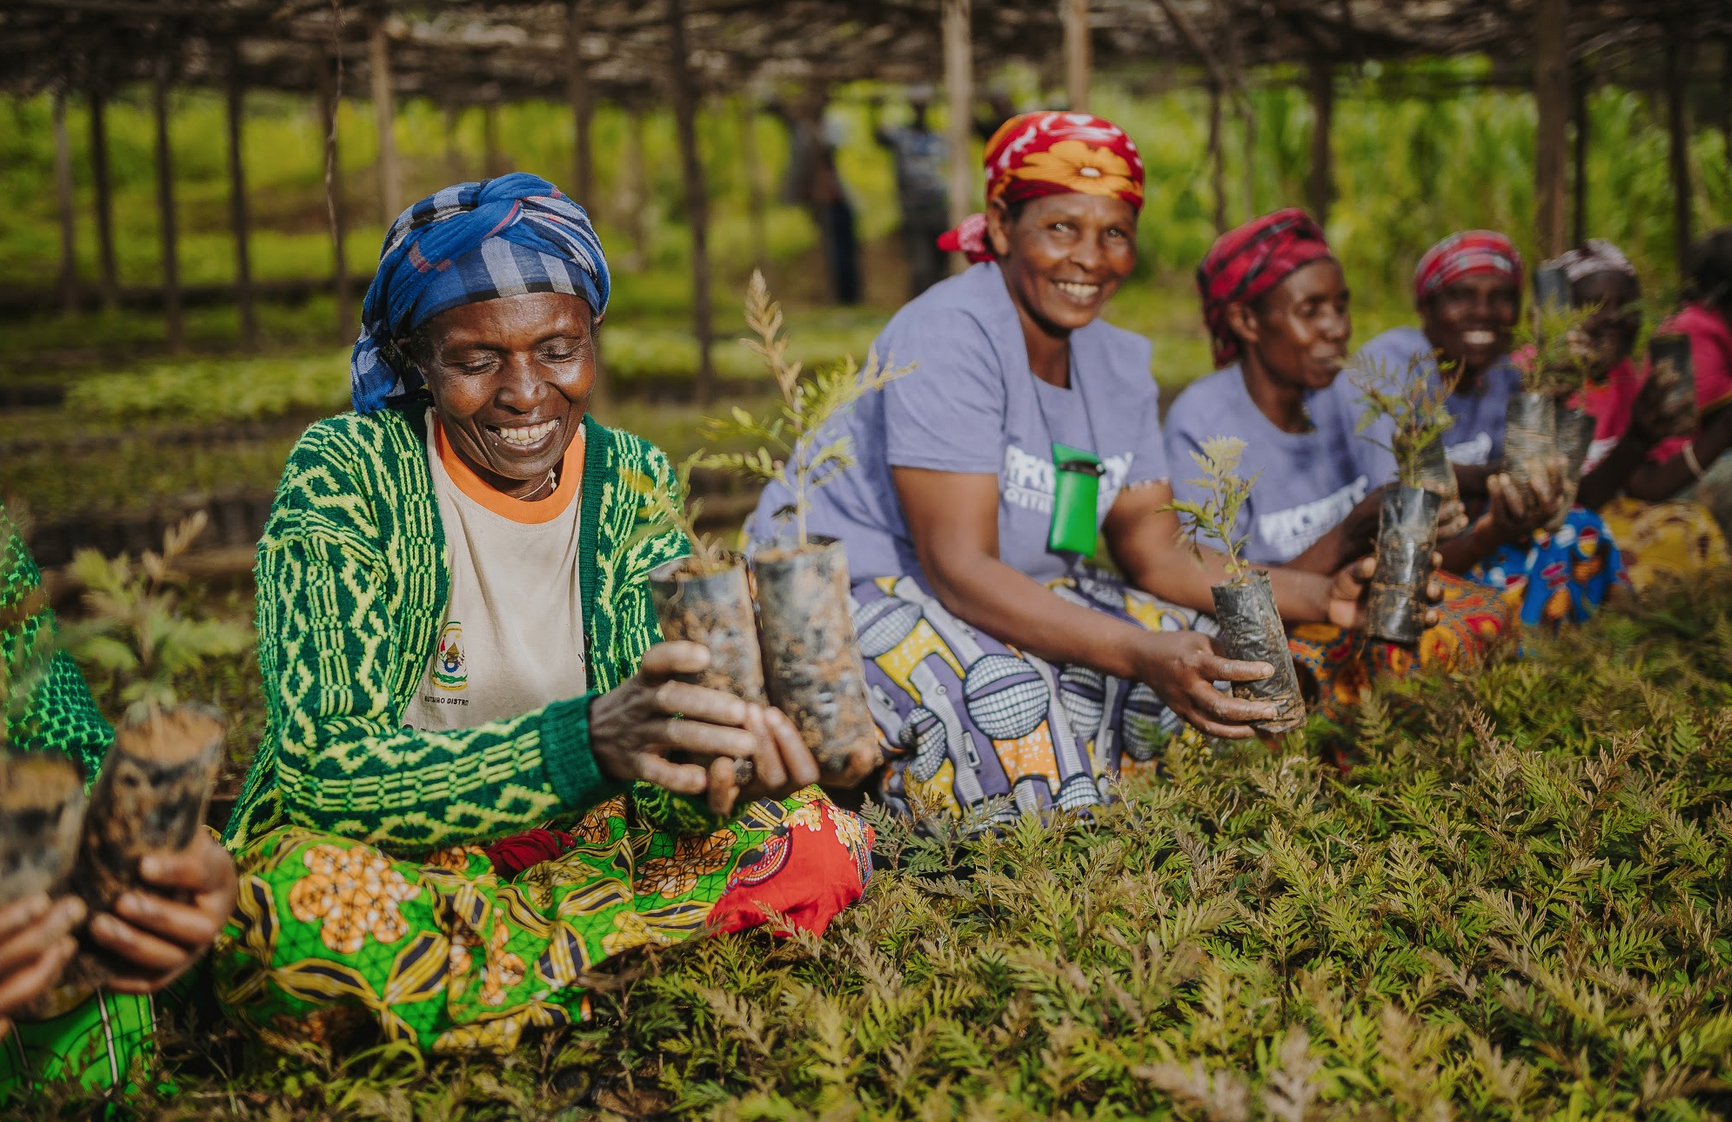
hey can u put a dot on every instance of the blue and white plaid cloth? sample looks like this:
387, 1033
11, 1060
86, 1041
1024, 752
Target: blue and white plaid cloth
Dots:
468, 243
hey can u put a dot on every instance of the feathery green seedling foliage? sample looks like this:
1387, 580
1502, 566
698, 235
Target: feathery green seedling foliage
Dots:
1515, 905
1217, 517
1559, 365
792, 444
672, 507
138, 629
1420, 412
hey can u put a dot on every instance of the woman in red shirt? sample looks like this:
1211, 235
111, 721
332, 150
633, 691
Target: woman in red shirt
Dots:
1645, 461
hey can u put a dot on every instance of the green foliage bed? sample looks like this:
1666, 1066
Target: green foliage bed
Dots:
1514, 904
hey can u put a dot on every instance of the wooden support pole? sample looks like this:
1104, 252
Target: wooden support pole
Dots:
747, 113
385, 113
104, 191
1217, 159
1551, 141
347, 321
1248, 116
1579, 184
959, 105
636, 201
173, 320
697, 199
582, 108
1078, 54
1320, 186
1726, 99
238, 206
1678, 126
63, 204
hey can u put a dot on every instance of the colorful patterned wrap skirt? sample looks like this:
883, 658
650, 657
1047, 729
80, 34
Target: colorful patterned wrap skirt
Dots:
1553, 579
974, 726
332, 936
1665, 540
98, 1044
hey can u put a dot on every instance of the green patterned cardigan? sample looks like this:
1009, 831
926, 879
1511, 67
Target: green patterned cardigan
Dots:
54, 710
353, 583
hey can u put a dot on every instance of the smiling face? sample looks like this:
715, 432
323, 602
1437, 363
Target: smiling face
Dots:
1064, 256
1472, 320
1298, 330
511, 380
1610, 332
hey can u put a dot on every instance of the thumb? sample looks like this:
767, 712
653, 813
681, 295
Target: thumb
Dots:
664, 660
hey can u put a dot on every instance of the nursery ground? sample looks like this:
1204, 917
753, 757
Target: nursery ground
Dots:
1512, 903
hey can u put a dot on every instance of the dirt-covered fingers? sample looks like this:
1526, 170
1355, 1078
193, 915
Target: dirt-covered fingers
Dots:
1451, 519
666, 660
30, 927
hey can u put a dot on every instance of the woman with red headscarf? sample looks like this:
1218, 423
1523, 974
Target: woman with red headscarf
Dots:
1468, 288
1277, 308
999, 663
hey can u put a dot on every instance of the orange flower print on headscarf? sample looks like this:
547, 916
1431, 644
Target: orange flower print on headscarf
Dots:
1075, 166
1053, 153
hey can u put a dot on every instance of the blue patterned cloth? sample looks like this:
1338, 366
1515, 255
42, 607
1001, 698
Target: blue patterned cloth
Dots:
1557, 578
468, 243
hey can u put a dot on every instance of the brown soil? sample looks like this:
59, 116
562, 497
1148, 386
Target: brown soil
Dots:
812, 661
713, 609
41, 809
152, 797
1251, 630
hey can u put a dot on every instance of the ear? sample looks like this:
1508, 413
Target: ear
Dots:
1242, 321
998, 228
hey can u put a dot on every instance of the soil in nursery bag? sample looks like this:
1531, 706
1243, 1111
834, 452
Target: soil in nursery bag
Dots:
1575, 436
1671, 359
812, 666
1251, 630
713, 608
1436, 474
1406, 536
1530, 437
41, 810
151, 797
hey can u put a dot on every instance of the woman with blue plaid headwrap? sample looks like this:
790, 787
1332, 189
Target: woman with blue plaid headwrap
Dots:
439, 832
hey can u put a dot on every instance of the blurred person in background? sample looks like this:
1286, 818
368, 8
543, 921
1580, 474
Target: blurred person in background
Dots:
815, 182
1639, 432
921, 157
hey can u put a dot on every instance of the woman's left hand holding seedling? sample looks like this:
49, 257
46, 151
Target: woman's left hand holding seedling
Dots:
1347, 593
157, 935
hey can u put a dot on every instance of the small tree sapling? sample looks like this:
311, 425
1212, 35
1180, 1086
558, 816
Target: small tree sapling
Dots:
1251, 627
813, 669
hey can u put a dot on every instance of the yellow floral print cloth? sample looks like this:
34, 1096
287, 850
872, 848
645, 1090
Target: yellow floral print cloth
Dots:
332, 935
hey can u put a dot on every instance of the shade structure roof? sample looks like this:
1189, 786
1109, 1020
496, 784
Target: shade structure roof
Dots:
458, 51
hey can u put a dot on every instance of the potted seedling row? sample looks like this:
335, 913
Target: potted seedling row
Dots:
1251, 627
812, 666
1396, 603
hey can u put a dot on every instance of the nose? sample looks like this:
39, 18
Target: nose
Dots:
1086, 254
520, 384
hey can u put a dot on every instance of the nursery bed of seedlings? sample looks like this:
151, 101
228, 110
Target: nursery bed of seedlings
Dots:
1514, 904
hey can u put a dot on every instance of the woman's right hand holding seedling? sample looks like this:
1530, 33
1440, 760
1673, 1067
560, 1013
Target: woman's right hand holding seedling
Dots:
1182, 668
36, 943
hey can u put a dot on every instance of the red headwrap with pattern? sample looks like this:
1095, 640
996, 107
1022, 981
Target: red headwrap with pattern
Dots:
1246, 262
1462, 255
1051, 153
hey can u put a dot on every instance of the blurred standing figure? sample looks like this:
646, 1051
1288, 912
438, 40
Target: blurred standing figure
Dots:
921, 159
816, 184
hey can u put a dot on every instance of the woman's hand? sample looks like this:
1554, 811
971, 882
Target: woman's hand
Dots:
691, 740
1348, 590
1182, 668
36, 943
159, 935
1451, 519
1518, 511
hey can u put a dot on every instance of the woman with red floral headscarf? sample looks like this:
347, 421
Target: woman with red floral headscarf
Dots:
1277, 308
1468, 289
999, 663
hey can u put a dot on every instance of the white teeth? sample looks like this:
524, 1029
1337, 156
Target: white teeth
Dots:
1478, 338
1080, 291
527, 435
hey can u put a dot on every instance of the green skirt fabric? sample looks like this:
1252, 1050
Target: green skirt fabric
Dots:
332, 936
96, 1043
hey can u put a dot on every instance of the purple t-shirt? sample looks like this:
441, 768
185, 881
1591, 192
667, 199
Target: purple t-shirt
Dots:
972, 406
1475, 439
1305, 482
